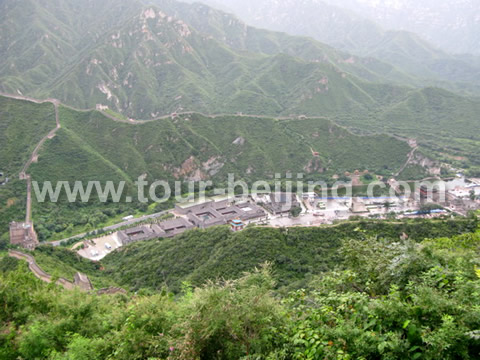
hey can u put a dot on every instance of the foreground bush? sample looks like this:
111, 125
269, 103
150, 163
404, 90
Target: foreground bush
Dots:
390, 300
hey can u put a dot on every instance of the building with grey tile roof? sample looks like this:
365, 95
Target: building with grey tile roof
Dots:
174, 227
281, 203
139, 233
165, 229
213, 213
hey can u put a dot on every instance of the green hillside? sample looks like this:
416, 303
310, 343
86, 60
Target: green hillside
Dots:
176, 68
173, 91
145, 61
149, 59
159, 148
39, 37
296, 254
392, 300
22, 125
65, 39
91, 146
438, 119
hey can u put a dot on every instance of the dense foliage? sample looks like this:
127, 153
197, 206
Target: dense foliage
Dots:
296, 254
390, 300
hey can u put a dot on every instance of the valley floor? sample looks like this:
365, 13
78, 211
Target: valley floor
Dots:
312, 211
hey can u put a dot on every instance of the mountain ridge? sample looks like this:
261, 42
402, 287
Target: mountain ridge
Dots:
344, 29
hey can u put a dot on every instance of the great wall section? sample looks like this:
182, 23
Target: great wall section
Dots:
81, 281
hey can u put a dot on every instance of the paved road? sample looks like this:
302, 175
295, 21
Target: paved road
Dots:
113, 227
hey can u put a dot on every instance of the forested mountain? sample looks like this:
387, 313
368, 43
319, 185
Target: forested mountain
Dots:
146, 60
344, 29
173, 91
297, 254
91, 145
149, 63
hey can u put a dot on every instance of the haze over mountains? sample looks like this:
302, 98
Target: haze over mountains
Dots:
452, 25
336, 24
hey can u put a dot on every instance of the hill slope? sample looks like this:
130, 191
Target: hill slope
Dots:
397, 300
153, 64
92, 146
296, 254
22, 125
169, 56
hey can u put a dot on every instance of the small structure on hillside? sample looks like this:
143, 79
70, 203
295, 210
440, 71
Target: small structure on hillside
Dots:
24, 235
82, 281
315, 153
237, 225
101, 107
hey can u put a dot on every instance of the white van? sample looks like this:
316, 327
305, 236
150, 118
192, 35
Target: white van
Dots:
108, 246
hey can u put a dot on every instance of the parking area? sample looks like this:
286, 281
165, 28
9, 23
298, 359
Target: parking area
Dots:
97, 249
303, 220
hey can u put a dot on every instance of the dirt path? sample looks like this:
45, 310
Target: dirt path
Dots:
411, 154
